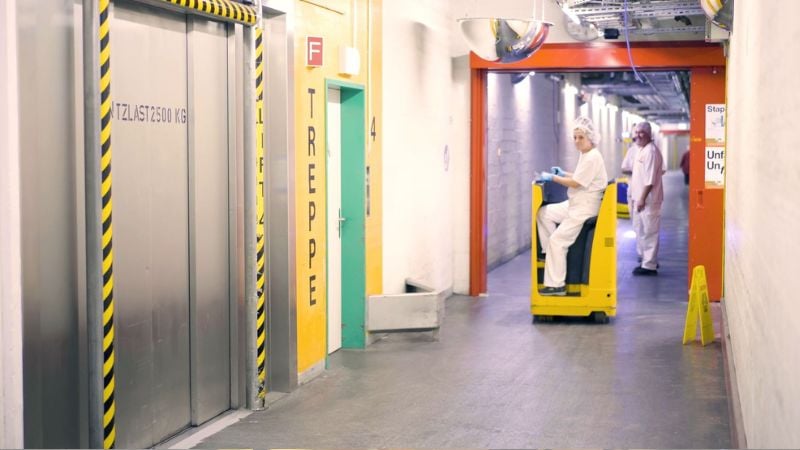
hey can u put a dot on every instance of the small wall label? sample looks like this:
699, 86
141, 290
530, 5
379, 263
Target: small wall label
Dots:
314, 51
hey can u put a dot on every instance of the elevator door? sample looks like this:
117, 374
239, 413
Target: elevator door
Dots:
170, 191
208, 219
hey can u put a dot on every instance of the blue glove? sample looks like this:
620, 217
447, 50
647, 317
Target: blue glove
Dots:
557, 170
545, 177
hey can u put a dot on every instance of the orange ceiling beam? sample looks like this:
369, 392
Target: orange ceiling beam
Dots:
614, 56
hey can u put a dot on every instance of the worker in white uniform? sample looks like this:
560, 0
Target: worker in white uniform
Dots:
560, 223
627, 169
627, 162
647, 192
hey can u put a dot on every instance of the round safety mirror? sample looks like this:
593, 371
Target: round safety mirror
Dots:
504, 40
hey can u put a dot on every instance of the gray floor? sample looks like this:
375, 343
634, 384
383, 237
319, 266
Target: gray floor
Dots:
494, 379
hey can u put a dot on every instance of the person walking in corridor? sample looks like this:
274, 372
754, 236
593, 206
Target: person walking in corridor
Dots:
627, 170
585, 192
647, 194
685, 166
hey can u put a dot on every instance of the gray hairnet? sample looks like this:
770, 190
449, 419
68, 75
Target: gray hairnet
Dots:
585, 125
645, 126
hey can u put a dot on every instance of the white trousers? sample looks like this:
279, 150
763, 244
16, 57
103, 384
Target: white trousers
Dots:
558, 226
630, 213
646, 225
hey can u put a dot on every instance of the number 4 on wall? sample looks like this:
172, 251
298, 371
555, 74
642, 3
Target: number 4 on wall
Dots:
372, 129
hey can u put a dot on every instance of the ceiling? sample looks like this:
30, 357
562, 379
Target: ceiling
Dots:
645, 17
661, 97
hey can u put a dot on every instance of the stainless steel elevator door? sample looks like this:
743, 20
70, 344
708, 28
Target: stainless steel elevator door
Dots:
151, 223
208, 184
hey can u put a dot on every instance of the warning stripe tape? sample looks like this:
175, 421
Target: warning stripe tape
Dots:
223, 9
261, 329
220, 8
109, 406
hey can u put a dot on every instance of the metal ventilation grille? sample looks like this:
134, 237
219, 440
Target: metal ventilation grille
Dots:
645, 17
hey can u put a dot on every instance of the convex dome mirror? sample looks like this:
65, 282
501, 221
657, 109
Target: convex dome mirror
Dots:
504, 40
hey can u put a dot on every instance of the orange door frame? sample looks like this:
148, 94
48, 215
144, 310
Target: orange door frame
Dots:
706, 62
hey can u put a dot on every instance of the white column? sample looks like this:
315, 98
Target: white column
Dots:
11, 431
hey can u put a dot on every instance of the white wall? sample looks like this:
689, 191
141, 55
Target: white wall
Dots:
762, 216
459, 135
417, 108
522, 138
11, 431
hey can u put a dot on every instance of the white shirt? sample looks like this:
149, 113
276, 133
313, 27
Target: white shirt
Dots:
627, 163
647, 171
592, 177
630, 156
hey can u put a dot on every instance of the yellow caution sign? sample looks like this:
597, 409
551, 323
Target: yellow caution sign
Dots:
698, 308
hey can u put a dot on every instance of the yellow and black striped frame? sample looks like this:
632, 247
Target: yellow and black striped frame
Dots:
261, 317
109, 406
225, 10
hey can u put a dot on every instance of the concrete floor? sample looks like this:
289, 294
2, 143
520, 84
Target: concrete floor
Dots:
493, 379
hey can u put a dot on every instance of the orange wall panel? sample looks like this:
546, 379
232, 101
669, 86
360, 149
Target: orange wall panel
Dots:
706, 205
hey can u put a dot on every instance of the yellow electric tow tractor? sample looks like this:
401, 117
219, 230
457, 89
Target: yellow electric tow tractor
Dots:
591, 263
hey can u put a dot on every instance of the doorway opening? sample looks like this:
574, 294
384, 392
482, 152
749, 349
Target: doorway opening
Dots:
346, 215
706, 65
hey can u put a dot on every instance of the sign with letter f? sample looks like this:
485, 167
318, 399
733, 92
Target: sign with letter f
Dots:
314, 51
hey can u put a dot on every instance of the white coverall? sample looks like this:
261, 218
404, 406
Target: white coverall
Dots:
583, 202
647, 171
627, 166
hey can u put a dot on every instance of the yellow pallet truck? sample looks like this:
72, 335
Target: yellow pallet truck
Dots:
591, 266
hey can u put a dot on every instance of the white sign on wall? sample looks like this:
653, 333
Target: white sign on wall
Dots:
715, 124
715, 166
715, 145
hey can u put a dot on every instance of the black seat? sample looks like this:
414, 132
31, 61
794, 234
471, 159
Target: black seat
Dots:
579, 254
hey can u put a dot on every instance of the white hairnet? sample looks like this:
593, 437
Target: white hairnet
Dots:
585, 125
645, 126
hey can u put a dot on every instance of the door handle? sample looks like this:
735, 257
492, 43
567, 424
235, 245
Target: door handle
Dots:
340, 221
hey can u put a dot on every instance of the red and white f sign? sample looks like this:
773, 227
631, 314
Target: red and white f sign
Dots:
313, 51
